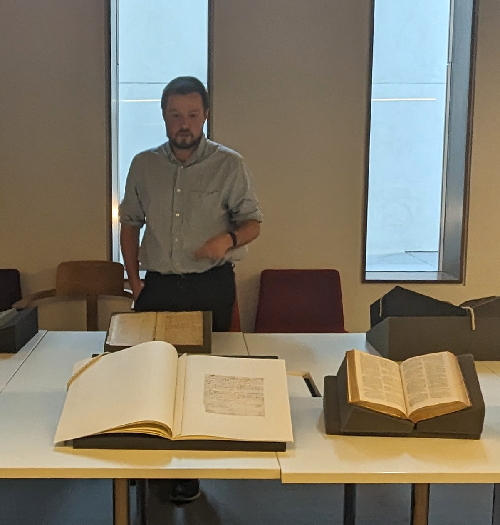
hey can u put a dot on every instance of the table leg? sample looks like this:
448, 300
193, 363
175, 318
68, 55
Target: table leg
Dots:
495, 517
349, 503
121, 503
420, 503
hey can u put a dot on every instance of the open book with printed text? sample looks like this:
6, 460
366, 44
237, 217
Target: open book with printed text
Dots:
419, 388
149, 389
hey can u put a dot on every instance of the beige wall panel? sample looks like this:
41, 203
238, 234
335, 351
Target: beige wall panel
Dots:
53, 150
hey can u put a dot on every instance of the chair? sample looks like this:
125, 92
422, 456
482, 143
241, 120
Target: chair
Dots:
89, 279
10, 288
235, 321
300, 301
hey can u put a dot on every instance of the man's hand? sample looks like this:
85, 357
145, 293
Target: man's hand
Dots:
129, 242
215, 248
136, 287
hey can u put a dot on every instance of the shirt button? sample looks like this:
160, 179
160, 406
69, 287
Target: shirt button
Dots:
176, 240
177, 214
178, 190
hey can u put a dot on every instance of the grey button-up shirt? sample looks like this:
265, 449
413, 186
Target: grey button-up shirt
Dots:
184, 205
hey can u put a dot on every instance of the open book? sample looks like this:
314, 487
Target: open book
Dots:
149, 389
419, 388
187, 331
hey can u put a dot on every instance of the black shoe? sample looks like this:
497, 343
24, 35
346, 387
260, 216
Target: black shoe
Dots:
159, 489
184, 490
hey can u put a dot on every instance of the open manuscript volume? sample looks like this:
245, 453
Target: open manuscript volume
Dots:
149, 389
419, 388
187, 331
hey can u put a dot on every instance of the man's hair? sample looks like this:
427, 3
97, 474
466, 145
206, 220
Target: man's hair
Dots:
184, 86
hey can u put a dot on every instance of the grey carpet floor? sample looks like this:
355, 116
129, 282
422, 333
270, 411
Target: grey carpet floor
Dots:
241, 502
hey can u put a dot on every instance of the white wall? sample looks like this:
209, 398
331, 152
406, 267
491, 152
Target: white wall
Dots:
290, 81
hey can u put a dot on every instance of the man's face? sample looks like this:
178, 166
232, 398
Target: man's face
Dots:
184, 118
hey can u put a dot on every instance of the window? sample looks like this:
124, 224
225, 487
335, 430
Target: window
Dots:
419, 143
151, 43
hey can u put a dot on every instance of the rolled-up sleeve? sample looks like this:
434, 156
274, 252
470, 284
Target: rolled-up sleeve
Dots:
131, 211
243, 204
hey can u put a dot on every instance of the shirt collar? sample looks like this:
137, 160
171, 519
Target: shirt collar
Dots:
197, 153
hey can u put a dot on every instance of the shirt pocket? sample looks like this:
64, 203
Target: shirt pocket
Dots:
204, 208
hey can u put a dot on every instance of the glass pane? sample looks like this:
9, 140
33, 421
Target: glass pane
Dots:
158, 40
407, 134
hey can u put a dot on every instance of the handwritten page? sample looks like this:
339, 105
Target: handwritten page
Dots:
180, 328
236, 396
129, 329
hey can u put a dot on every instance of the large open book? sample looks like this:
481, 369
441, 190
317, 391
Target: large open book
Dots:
419, 388
187, 331
148, 389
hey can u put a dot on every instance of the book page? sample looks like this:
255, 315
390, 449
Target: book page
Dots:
375, 382
180, 328
236, 398
82, 363
234, 395
129, 329
131, 386
433, 379
179, 394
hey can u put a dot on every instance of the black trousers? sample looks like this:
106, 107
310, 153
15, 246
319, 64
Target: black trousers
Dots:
213, 290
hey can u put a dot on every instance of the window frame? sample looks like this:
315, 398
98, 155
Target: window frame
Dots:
455, 195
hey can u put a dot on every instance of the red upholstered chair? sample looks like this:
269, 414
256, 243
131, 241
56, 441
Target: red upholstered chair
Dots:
235, 321
300, 301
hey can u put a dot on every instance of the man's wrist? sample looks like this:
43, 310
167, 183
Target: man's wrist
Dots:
234, 239
134, 281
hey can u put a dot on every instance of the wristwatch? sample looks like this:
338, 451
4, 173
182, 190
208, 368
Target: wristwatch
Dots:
233, 237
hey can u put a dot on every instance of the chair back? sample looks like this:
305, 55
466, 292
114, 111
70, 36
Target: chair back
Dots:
10, 287
235, 321
89, 278
300, 301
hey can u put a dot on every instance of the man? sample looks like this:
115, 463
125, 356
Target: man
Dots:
197, 201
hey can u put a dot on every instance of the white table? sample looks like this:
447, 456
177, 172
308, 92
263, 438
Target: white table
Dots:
315, 457
33, 395
10, 363
318, 354
30, 406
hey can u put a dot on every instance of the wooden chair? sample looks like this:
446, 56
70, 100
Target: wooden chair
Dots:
89, 279
300, 301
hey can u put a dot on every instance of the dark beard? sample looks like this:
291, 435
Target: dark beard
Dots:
184, 145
